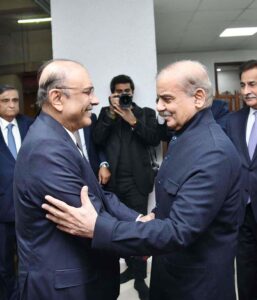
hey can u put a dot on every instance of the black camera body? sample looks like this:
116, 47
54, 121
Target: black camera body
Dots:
125, 100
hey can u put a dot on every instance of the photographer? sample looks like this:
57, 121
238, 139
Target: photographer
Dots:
125, 131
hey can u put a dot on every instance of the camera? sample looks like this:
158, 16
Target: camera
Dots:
125, 100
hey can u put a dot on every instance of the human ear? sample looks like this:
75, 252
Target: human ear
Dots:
200, 98
56, 99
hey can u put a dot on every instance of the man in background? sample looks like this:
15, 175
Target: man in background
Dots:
125, 131
242, 129
13, 130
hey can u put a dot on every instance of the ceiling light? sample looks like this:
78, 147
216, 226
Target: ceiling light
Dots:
38, 20
241, 31
219, 70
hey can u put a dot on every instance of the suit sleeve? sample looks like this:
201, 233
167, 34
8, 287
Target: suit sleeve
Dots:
197, 202
117, 209
57, 173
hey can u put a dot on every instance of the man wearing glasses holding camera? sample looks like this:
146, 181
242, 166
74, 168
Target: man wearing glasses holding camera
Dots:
126, 131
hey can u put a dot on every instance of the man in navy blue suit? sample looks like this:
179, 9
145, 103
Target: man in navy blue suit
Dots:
242, 129
54, 265
194, 233
9, 117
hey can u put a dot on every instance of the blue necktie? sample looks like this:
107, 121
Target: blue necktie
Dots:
11, 141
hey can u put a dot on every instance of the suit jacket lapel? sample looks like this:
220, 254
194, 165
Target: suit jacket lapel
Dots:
241, 129
86, 131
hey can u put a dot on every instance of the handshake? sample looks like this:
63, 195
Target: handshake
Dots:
79, 221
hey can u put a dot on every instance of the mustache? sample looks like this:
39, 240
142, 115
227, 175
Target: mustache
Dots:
249, 96
165, 114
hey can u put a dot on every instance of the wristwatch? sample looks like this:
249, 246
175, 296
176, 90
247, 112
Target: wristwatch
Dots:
104, 164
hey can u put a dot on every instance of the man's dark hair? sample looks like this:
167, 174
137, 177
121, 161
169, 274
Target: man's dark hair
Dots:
6, 87
248, 65
121, 79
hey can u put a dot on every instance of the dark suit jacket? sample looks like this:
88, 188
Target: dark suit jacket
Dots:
107, 134
220, 112
54, 265
236, 130
95, 153
197, 204
7, 164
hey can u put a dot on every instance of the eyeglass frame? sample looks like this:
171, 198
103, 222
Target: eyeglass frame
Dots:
86, 91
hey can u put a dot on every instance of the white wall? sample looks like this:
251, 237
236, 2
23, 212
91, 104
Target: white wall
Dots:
110, 38
207, 58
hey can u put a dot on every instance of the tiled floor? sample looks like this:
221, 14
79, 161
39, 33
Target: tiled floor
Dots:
127, 291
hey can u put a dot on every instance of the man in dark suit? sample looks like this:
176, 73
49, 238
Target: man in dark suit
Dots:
19, 125
242, 129
126, 131
197, 199
53, 265
220, 112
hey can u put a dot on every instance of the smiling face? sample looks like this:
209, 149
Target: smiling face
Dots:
249, 87
173, 103
9, 105
78, 105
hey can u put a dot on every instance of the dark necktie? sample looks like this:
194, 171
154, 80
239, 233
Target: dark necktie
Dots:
79, 144
253, 137
11, 141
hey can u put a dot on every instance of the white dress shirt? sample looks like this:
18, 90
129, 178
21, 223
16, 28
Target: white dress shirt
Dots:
15, 131
83, 142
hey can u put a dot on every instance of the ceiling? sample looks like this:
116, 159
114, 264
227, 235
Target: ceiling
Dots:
181, 25
195, 25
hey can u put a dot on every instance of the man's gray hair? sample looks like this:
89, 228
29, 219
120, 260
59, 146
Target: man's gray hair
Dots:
193, 79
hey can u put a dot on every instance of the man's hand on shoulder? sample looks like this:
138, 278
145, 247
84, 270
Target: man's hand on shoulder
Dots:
79, 221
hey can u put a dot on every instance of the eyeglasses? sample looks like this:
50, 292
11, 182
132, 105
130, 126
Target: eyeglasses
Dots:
87, 91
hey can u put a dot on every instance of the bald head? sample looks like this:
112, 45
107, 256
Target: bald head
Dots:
190, 75
54, 74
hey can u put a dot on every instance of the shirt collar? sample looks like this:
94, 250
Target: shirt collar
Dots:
4, 123
71, 135
252, 111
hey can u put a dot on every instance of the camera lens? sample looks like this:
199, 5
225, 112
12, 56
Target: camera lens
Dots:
125, 100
